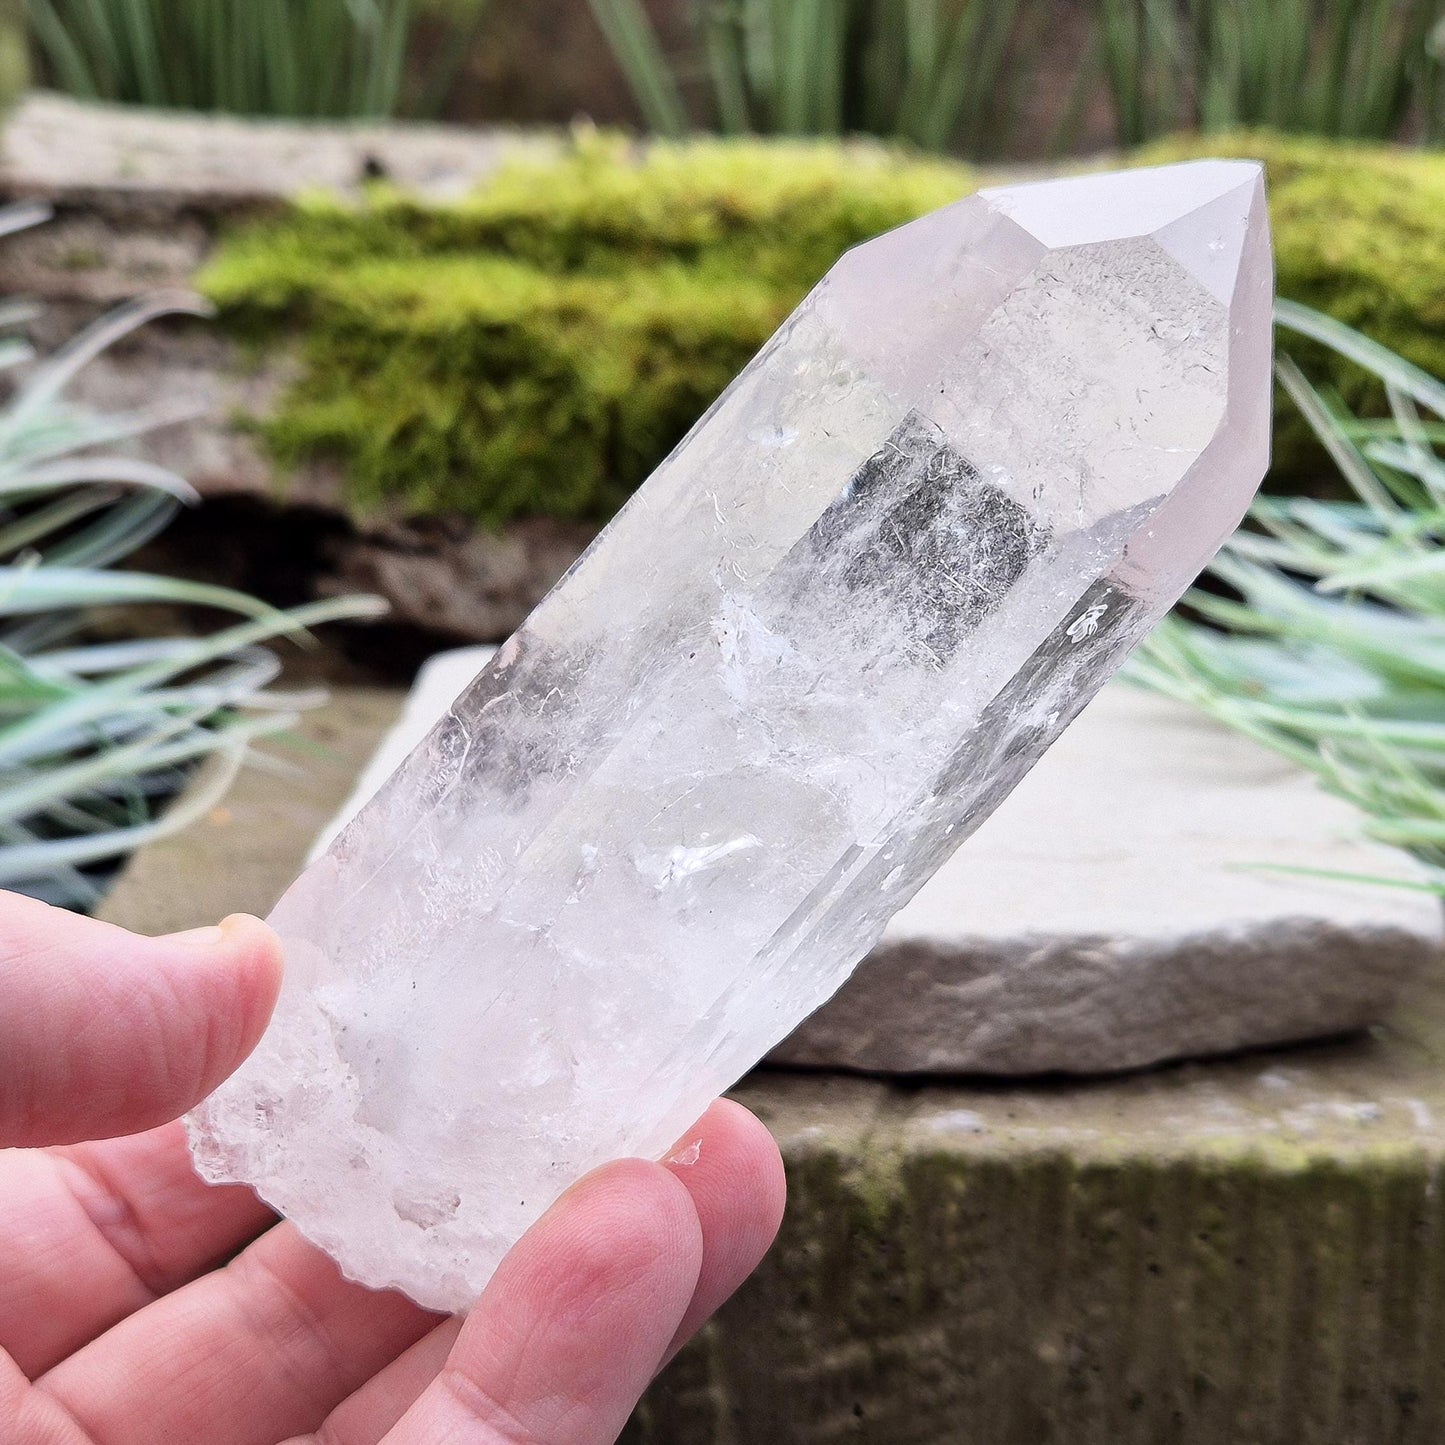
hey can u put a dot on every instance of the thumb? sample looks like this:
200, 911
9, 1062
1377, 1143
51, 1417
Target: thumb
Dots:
103, 1032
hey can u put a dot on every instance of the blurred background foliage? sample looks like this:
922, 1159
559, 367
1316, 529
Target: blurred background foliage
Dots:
1356, 68
950, 74
974, 77
256, 58
931, 72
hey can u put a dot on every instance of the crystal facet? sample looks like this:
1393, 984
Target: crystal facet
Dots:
827, 637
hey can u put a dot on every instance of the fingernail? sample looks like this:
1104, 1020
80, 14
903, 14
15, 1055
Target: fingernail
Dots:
203, 937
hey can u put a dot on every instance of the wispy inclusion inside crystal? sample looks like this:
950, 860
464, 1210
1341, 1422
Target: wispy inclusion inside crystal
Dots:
824, 640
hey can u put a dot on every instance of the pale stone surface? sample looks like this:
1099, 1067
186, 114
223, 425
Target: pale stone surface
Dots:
809, 657
53, 142
1121, 911
1125, 908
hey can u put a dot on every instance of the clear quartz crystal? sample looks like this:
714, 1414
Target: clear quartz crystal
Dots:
827, 637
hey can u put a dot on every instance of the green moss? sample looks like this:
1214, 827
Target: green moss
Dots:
487, 387
540, 345
781, 211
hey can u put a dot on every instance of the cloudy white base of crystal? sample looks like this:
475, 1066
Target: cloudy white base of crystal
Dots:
817, 648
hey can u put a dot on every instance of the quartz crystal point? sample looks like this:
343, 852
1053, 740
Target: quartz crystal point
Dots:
814, 651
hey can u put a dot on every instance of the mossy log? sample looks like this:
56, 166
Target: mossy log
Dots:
539, 346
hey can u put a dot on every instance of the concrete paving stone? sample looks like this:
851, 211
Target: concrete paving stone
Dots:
1247, 1252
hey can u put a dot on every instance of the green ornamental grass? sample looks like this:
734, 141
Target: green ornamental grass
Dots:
304, 58
948, 74
97, 737
936, 73
1341, 68
1321, 629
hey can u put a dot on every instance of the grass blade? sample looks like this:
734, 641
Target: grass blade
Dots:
635, 45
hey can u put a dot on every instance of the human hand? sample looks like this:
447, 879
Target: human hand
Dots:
121, 1319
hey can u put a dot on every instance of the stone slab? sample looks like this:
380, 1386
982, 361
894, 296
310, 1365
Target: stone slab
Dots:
140, 195
1127, 905
1130, 904
57, 146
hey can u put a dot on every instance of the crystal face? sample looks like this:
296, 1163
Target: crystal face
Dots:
823, 641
